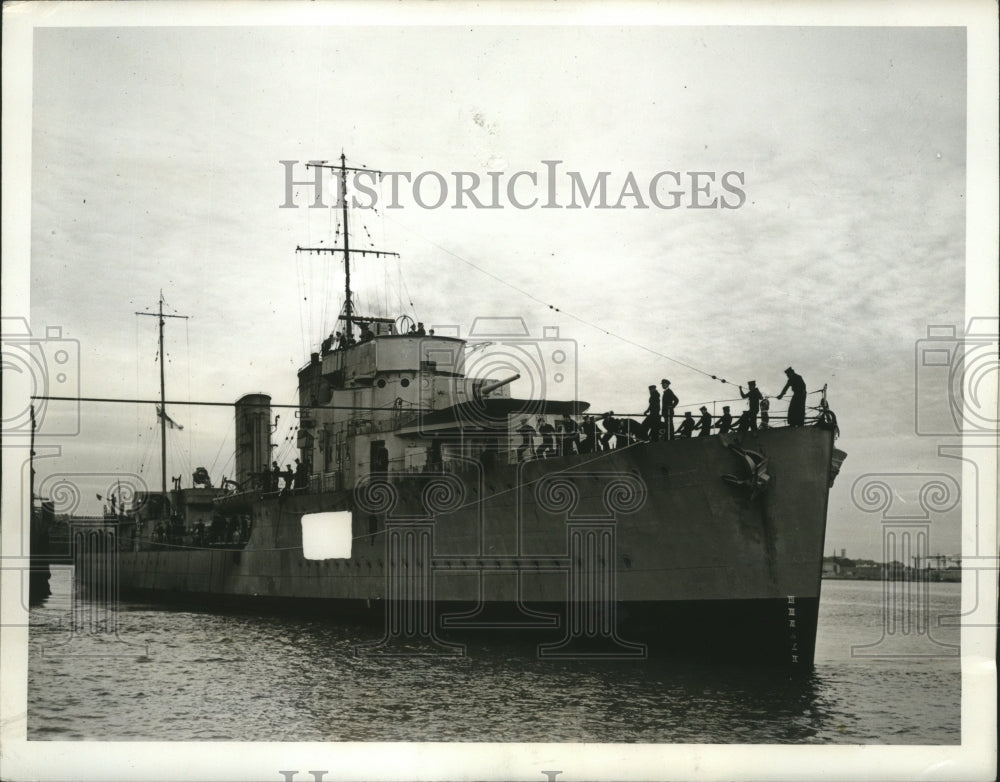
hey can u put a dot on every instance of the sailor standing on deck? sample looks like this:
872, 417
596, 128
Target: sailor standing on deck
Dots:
527, 432
301, 474
610, 430
589, 442
570, 435
651, 425
704, 423
687, 425
669, 402
548, 446
725, 423
797, 407
754, 395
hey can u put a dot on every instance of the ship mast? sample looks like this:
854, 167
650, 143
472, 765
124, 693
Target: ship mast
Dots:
163, 396
343, 168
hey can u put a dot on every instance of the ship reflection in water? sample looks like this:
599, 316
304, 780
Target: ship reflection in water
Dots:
232, 676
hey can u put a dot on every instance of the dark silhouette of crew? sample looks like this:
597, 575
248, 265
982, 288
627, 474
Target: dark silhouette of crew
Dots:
547, 432
743, 422
421, 331
610, 425
725, 422
366, 333
797, 407
570, 431
588, 444
527, 432
668, 402
301, 475
651, 424
687, 425
704, 424
275, 475
753, 394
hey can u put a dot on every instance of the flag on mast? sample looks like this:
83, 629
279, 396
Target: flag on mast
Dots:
170, 421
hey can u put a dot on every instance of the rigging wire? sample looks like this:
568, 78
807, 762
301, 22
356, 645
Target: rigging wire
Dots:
568, 314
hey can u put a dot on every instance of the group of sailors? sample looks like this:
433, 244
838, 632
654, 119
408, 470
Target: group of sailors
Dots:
656, 425
223, 531
285, 480
607, 432
338, 340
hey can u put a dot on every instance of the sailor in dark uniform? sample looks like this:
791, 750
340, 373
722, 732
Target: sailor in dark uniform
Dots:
589, 442
547, 431
687, 425
724, 423
797, 407
301, 474
651, 425
754, 395
610, 430
570, 435
704, 423
669, 402
527, 432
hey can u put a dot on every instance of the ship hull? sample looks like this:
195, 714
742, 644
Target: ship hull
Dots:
659, 548
751, 631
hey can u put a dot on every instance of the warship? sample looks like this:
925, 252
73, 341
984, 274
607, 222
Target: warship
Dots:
430, 501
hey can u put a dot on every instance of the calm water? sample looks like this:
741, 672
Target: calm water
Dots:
217, 676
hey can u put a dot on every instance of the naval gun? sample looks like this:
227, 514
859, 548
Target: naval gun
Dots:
489, 388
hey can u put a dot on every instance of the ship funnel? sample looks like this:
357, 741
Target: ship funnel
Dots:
253, 438
489, 388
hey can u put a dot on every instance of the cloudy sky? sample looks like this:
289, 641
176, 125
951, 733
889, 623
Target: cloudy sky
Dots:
155, 166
